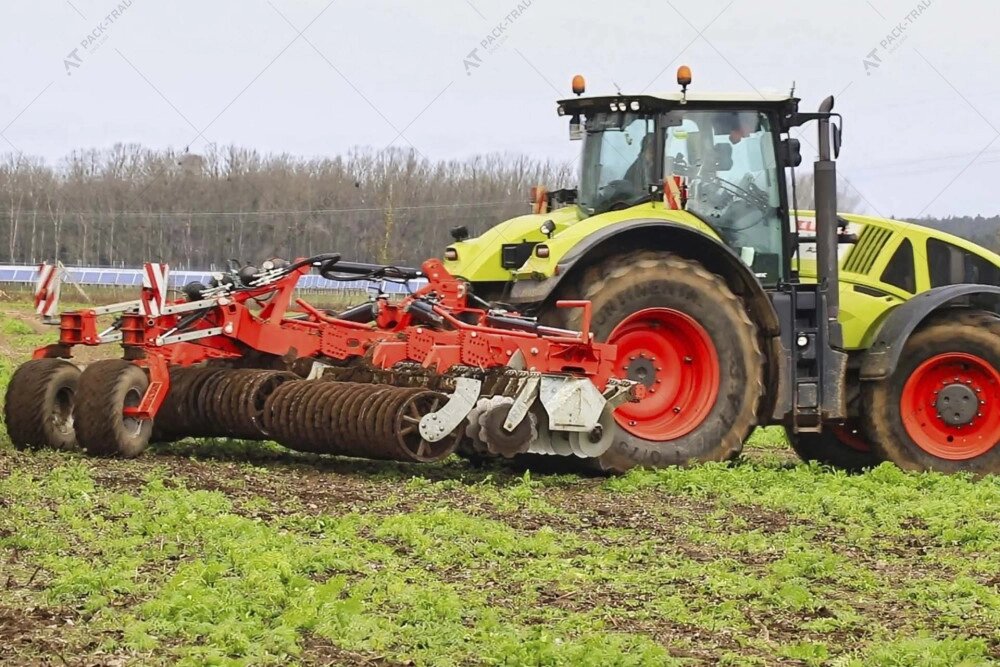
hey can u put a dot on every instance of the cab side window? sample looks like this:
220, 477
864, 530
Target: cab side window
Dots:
899, 271
950, 265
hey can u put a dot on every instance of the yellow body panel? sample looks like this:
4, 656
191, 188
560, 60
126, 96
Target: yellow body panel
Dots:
479, 258
861, 312
865, 298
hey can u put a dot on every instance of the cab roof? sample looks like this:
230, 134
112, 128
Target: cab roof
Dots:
670, 100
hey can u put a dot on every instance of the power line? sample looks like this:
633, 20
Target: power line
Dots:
201, 214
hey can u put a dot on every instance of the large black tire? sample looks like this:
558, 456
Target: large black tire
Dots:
904, 413
835, 449
622, 286
38, 408
105, 389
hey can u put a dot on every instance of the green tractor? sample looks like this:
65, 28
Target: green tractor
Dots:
866, 339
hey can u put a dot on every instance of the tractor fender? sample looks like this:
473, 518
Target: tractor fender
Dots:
881, 358
657, 234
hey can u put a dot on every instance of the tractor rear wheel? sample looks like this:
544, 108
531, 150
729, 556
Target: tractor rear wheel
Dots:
940, 408
682, 333
38, 408
106, 388
841, 447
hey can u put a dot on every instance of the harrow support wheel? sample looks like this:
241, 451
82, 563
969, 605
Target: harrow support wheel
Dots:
38, 408
843, 447
682, 332
407, 428
106, 388
940, 408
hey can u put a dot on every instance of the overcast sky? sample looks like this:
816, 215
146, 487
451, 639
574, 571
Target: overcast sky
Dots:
316, 78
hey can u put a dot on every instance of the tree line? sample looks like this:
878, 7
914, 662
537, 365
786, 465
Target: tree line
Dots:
129, 204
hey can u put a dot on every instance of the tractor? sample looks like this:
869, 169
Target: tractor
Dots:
867, 339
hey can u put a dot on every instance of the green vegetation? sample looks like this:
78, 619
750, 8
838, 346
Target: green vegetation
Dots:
221, 552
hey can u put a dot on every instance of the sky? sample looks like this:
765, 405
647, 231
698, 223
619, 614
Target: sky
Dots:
915, 79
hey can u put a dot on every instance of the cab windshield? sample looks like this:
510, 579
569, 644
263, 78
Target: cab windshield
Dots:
619, 161
724, 161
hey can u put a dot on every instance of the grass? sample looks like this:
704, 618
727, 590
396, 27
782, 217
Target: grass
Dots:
220, 552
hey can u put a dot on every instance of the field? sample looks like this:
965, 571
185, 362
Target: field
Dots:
220, 552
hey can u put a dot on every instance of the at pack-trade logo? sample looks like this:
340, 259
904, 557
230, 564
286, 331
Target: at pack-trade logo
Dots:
93, 40
495, 37
895, 37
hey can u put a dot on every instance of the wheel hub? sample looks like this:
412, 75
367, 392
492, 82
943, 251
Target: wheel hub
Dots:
957, 404
641, 369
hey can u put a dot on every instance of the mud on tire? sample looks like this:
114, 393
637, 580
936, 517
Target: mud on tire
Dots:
624, 285
105, 389
38, 408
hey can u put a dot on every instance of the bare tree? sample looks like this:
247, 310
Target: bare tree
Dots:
849, 200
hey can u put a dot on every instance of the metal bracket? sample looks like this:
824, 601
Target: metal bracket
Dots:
525, 398
116, 307
573, 404
109, 335
618, 391
190, 335
435, 426
317, 370
203, 304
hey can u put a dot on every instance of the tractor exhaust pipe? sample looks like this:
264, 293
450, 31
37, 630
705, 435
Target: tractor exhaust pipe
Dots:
825, 179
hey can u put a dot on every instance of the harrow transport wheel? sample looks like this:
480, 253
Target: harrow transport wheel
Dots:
106, 388
843, 447
940, 408
38, 408
407, 423
681, 332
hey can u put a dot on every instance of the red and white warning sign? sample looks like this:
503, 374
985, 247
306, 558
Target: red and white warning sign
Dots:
47, 284
154, 288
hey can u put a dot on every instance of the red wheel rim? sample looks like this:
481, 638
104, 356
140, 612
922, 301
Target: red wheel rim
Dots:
673, 355
849, 436
951, 406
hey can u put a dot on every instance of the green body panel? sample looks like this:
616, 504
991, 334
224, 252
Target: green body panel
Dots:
479, 258
865, 298
861, 311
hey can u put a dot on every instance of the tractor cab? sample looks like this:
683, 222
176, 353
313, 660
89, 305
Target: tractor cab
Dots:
712, 156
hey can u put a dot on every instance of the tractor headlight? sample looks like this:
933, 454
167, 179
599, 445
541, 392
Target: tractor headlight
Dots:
450, 254
542, 251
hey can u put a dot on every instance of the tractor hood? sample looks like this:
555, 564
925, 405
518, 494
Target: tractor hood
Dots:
490, 257
510, 250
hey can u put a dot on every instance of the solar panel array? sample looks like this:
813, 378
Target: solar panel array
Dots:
133, 278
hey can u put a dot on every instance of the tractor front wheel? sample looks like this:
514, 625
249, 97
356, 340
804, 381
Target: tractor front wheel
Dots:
106, 388
682, 333
940, 408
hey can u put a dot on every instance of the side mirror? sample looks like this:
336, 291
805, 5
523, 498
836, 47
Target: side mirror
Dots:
575, 128
790, 152
837, 139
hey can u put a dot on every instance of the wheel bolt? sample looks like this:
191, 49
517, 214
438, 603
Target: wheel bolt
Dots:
677, 410
631, 422
688, 360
